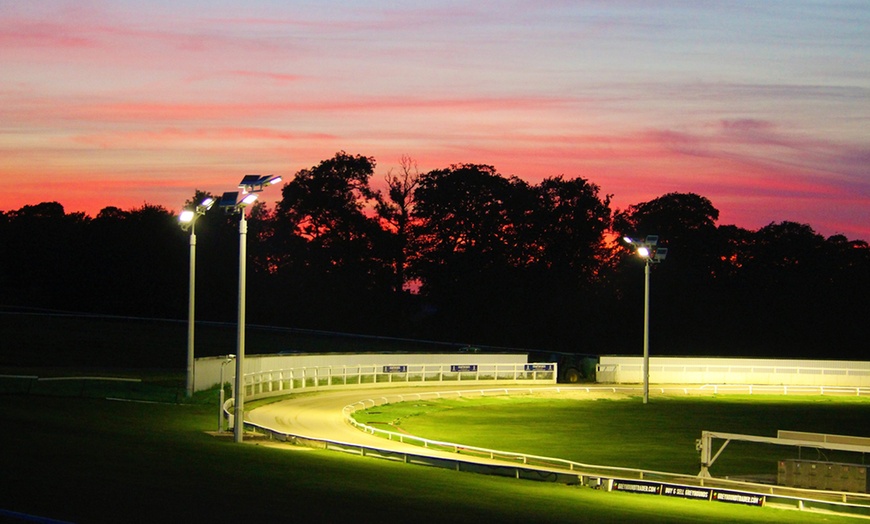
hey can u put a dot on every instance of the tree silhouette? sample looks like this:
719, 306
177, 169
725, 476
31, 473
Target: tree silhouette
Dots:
497, 261
329, 251
396, 211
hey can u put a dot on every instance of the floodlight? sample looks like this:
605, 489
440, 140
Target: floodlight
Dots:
230, 201
207, 203
188, 219
652, 255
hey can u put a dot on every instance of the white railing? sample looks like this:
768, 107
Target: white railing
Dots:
762, 389
677, 370
263, 384
472, 451
364, 404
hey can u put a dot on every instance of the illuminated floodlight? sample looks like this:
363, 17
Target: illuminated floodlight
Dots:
233, 202
648, 250
188, 218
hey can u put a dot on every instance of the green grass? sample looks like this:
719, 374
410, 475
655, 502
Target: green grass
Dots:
624, 432
93, 460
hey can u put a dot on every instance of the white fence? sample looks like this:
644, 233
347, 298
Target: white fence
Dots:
281, 382
208, 370
678, 370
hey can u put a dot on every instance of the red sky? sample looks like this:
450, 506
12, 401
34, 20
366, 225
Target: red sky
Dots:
763, 109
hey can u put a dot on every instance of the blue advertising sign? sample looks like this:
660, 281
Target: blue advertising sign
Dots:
463, 368
539, 367
395, 369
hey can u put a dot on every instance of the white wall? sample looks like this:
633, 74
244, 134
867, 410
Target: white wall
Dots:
207, 370
688, 370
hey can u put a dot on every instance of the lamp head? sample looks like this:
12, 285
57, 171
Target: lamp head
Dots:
206, 205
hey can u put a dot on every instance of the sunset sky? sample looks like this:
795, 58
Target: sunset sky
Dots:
761, 106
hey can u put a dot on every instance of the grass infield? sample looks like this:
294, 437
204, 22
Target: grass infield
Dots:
84, 459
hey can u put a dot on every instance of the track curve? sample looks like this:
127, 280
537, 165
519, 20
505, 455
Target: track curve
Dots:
319, 416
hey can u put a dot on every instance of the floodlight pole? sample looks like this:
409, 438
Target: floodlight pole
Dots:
646, 332
190, 310
250, 185
239, 402
651, 255
188, 220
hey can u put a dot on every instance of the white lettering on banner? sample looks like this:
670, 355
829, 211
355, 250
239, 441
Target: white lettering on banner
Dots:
738, 498
637, 487
686, 492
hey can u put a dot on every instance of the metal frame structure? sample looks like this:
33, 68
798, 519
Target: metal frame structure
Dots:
783, 438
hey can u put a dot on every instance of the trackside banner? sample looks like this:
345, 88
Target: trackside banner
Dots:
634, 486
688, 492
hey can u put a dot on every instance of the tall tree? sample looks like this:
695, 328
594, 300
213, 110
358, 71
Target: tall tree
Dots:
328, 244
470, 241
396, 210
567, 300
569, 224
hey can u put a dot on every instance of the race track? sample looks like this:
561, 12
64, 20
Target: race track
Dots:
319, 416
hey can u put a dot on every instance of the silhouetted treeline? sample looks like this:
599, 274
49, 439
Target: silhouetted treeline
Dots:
458, 254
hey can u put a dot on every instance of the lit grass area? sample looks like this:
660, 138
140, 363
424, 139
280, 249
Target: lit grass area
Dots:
622, 431
93, 460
